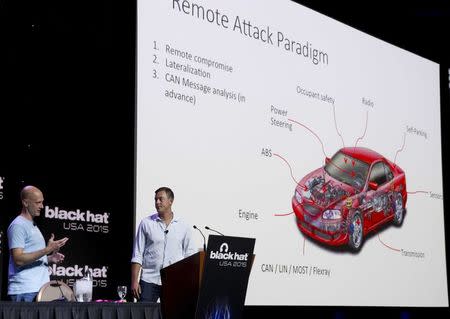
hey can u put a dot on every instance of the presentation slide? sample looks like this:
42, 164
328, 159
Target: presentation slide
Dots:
272, 121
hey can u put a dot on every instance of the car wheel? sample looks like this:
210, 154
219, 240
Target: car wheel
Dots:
398, 210
355, 232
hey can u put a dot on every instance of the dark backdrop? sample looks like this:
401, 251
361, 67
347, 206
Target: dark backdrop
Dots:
67, 118
67, 98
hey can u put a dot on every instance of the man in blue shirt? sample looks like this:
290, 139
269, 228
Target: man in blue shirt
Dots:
161, 240
28, 262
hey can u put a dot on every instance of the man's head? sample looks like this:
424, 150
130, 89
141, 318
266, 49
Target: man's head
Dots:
32, 200
163, 200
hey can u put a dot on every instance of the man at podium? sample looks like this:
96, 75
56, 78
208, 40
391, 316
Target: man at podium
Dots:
161, 240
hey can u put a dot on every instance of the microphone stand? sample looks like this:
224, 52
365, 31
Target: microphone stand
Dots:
204, 239
165, 244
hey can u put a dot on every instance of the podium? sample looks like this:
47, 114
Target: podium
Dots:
210, 284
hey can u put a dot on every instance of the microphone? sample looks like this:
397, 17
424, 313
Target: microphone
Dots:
204, 239
208, 228
166, 231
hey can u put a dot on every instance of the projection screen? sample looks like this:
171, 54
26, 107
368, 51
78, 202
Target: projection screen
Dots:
272, 121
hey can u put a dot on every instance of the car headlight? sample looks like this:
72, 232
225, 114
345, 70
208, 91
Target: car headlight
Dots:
298, 197
331, 214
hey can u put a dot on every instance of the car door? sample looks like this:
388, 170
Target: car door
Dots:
379, 176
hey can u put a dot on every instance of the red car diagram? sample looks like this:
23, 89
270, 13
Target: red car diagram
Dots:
354, 193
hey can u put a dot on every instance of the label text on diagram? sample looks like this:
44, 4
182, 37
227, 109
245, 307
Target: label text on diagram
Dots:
274, 121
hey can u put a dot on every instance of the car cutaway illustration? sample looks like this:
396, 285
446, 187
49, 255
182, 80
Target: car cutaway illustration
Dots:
354, 193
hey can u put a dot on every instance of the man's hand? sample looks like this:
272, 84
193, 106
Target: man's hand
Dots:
21, 258
55, 258
136, 289
54, 245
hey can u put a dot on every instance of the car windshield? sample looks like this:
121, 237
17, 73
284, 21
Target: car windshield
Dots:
348, 170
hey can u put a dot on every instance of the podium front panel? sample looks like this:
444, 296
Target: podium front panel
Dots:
180, 287
228, 262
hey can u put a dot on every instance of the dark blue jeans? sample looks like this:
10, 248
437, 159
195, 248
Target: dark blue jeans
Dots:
149, 291
28, 297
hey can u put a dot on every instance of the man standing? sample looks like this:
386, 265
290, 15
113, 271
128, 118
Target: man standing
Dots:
161, 240
28, 262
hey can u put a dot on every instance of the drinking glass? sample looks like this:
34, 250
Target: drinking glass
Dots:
122, 291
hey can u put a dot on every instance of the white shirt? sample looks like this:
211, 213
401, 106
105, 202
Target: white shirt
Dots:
157, 246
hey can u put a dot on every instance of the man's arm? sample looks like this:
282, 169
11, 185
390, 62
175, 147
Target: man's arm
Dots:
137, 260
20, 258
135, 287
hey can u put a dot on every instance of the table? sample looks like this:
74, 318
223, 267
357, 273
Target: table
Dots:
79, 310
